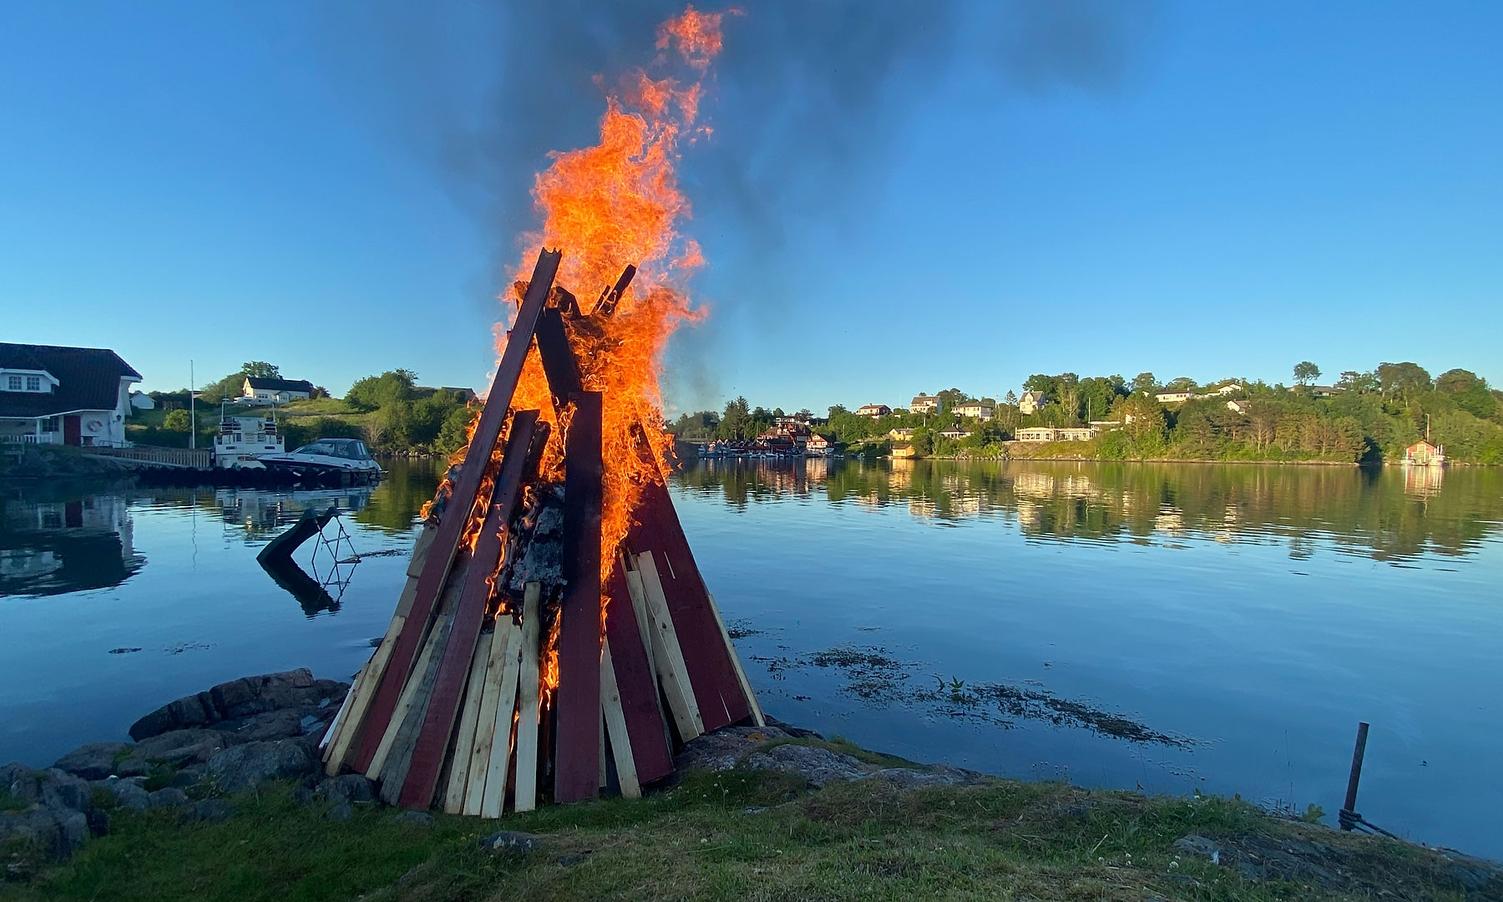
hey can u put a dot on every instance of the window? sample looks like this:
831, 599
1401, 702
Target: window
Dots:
13, 383
49, 424
33, 383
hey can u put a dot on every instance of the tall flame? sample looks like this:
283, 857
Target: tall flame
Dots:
614, 203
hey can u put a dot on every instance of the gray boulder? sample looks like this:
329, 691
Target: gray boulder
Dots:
129, 793
415, 818
236, 704
51, 832
914, 778
168, 798
817, 766
724, 748
189, 711
247, 766
94, 761
346, 788
177, 748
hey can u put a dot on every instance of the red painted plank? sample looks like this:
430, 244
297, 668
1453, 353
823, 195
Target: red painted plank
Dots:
454, 670
456, 514
716, 688
576, 762
635, 682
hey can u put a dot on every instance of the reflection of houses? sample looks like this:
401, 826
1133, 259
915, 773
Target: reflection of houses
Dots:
262, 513
1030, 401
261, 390
52, 548
873, 410
64, 396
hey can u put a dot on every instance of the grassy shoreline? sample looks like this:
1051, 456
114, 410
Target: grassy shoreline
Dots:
763, 835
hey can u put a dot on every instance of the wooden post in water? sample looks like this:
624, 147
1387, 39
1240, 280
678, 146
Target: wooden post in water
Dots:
1348, 814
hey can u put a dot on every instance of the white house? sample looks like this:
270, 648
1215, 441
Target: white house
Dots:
1030, 401
922, 403
873, 410
1056, 434
956, 431
140, 400
1173, 397
260, 390
53, 395
981, 410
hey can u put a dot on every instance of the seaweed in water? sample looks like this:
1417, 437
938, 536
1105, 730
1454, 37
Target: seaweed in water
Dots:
874, 676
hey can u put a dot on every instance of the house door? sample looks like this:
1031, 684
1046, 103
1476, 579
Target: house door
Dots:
70, 431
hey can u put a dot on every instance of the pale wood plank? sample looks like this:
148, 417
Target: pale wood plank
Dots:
459, 760
501, 651
360, 698
494, 796
673, 672
527, 704
615, 723
399, 757
404, 704
420, 550
338, 721
746, 689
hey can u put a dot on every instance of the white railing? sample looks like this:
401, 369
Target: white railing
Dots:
30, 438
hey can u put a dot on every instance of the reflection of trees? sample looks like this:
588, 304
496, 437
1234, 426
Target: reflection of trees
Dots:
1374, 512
397, 499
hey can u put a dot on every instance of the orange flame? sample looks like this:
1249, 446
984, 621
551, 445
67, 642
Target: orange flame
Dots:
614, 203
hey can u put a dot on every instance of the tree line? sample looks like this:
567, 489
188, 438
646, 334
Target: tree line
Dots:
1362, 417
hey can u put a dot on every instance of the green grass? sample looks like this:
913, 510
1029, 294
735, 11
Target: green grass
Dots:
732, 835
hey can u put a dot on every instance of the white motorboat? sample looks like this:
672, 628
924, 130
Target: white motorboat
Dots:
325, 457
242, 440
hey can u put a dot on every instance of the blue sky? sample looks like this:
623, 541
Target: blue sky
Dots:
1204, 190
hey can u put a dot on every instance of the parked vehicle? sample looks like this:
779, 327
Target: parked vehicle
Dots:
326, 457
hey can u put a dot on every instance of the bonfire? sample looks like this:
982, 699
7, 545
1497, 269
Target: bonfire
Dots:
554, 637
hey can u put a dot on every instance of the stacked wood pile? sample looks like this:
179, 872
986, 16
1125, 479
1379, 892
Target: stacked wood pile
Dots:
504, 680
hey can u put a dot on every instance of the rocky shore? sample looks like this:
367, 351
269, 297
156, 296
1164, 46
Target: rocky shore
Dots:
214, 764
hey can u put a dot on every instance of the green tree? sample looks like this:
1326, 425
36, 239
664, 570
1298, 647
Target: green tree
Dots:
1305, 372
375, 392
260, 369
177, 421
1145, 383
1402, 380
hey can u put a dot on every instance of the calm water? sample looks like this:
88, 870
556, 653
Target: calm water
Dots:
1238, 620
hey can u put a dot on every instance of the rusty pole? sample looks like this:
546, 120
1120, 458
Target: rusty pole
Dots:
1348, 814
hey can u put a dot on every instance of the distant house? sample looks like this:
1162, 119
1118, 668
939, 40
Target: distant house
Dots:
900, 433
1174, 397
1322, 391
1239, 405
140, 400
956, 431
873, 410
261, 390
464, 394
1056, 434
53, 395
1424, 454
1030, 402
981, 410
924, 404
1035, 434
817, 444
903, 451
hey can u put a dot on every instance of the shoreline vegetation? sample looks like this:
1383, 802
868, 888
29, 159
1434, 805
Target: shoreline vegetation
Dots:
231, 803
1364, 418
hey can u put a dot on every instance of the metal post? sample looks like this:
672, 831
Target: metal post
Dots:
1348, 814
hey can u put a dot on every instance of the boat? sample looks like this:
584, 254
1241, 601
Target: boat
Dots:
339, 457
242, 440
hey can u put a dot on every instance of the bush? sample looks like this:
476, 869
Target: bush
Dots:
176, 421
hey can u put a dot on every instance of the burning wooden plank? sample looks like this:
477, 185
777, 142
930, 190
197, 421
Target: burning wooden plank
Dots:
448, 688
461, 502
576, 765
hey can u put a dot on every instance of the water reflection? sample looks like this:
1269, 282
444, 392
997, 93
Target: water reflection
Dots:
62, 538
65, 541
1391, 515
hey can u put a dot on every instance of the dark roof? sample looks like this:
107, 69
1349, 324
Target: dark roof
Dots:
88, 379
259, 382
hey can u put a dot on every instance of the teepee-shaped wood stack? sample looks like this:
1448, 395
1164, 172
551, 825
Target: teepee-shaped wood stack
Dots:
502, 679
